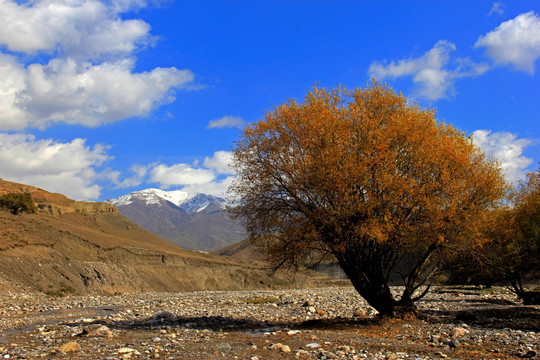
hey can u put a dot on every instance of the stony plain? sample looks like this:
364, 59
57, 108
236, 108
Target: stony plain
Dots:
318, 323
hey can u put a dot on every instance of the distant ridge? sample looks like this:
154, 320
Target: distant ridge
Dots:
192, 221
87, 247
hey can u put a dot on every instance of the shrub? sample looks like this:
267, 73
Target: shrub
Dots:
18, 202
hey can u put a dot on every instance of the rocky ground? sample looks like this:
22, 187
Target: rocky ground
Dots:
322, 323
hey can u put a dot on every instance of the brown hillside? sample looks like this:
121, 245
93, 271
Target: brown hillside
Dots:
82, 247
240, 250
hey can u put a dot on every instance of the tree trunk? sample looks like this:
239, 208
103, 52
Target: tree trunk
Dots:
377, 294
366, 265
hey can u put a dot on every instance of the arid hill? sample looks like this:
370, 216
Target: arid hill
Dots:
85, 247
240, 250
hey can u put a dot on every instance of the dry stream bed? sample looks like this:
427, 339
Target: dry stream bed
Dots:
321, 323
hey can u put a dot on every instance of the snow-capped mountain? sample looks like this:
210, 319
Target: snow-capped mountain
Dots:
193, 221
190, 203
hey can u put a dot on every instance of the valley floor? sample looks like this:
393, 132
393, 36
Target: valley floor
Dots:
321, 323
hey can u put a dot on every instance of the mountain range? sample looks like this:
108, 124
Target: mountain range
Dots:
191, 221
64, 246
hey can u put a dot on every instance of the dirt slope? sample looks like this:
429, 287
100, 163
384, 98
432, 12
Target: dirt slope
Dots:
79, 247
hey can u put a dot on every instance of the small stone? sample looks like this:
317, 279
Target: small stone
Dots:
308, 303
125, 350
162, 316
454, 343
103, 331
71, 346
372, 312
277, 346
224, 347
359, 313
458, 332
321, 312
313, 345
435, 338
311, 309
293, 332
285, 349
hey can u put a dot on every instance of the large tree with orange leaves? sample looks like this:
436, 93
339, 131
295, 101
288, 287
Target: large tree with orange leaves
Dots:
366, 179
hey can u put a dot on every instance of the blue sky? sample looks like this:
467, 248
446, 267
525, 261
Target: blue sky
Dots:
101, 98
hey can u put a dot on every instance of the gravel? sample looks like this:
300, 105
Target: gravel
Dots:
321, 323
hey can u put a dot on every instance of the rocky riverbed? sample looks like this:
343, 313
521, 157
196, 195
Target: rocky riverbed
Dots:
321, 323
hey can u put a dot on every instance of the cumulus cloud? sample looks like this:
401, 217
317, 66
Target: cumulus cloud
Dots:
67, 168
514, 42
119, 181
226, 121
79, 64
507, 149
65, 91
217, 187
430, 71
13, 81
220, 162
180, 175
86, 28
212, 177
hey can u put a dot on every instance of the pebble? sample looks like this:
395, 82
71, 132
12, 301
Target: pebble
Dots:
174, 325
458, 332
224, 347
70, 347
285, 349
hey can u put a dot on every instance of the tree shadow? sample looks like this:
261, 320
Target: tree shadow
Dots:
223, 323
526, 318
166, 319
498, 315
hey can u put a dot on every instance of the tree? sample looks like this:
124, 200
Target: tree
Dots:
513, 232
366, 179
18, 202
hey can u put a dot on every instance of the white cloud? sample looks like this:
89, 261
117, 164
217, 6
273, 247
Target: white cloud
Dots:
216, 188
65, 91
13, 81
66, 168
213, 177
220, 162
515, 42
226, 121
114, 177
497, 8
180, 175
78, 64
429, 72
81, 29
506, 148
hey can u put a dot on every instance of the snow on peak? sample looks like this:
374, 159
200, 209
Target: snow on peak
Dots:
199, 202
188, 202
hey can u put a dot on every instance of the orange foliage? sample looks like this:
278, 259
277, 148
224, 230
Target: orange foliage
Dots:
358, 167
513, 236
